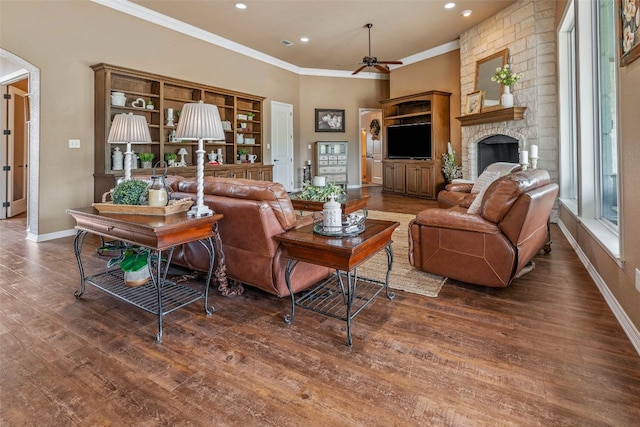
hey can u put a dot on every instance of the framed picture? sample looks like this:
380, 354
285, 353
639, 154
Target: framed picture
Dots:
628, 31
329, 120
474, 102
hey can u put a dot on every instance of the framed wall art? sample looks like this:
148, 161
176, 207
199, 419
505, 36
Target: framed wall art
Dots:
328, 120
474, 102
628, 31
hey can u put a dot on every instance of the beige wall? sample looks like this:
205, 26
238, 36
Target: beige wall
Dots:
442, 73
336, 93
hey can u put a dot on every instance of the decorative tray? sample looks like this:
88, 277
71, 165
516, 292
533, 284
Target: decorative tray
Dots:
352, 225
344, 231
174, 206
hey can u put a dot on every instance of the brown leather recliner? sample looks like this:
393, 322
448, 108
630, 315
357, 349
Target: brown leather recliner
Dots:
455, 192
254, 213
492, 247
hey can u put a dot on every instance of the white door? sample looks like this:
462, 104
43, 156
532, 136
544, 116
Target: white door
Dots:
16, 150
282, 141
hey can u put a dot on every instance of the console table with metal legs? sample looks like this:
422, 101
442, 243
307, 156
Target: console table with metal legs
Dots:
160, 234
333, 297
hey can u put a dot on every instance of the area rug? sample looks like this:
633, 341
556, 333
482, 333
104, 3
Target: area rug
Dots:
403, 276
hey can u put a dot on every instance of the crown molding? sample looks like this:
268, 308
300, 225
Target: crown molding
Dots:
154, 17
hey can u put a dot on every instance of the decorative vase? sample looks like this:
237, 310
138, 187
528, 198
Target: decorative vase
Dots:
507, 98
146, 165
138, 277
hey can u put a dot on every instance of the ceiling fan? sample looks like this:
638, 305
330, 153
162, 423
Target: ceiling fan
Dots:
372, 61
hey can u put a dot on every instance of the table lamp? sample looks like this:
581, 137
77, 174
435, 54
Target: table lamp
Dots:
128, 129
182, 152
200, 121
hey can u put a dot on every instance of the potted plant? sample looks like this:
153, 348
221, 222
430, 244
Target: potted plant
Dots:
133, 261
149, 105
170, 158
146, 159
450, 170
242, 153
250, 116
131, 192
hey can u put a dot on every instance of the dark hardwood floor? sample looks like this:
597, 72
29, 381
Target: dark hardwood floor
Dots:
546, 351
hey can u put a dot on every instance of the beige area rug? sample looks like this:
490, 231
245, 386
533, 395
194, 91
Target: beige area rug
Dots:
403, 276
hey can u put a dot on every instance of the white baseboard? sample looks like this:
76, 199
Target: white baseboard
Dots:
628, 327
50, 236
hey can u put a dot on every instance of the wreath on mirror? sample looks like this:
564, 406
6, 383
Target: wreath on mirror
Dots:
374, 128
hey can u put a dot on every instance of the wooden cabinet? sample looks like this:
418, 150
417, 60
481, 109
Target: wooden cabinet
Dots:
419, 178
331, 161
241, 114
259, 173
394, 177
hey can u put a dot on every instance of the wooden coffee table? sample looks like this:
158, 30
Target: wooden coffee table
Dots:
348, 202
333, 297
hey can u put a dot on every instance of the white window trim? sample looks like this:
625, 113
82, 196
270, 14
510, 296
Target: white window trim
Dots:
588, 192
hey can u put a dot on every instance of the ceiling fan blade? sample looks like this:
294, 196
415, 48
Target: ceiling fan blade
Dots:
359, 69
390, 62
383, 69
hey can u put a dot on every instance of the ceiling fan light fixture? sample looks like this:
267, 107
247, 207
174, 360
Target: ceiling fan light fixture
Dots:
466, 12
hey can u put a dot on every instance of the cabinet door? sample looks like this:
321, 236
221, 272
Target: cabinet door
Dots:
427, 182
394, 177
225, 173
413, 180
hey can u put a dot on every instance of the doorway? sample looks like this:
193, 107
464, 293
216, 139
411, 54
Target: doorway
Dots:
371, 138
14, 69
15, 147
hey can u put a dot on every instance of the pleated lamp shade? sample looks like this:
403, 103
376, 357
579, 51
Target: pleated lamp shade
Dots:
129, 128
200, 121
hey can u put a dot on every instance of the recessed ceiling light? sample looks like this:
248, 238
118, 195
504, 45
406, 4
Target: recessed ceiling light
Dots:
241, 5
467, 12
449, 5
304, 39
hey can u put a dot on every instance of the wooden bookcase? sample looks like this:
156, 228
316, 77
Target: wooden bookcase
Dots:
418, 178
243, 112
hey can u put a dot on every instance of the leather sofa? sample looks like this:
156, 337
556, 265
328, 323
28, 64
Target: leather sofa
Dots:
254, 213
459, 190
492, 247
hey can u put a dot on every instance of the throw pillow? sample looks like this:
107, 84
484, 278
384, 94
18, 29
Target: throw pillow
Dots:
475, 206
484, 180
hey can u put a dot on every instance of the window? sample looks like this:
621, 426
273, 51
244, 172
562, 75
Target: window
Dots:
607, 147
587, 76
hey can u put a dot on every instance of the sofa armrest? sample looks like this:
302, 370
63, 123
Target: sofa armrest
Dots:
455, 219
460, 187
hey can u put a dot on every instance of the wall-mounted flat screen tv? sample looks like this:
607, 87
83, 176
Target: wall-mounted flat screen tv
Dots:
410, 141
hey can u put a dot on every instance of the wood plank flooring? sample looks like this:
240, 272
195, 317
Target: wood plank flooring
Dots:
546, 351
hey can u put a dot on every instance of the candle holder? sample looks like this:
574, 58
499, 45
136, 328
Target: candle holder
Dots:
524, 166
534, 162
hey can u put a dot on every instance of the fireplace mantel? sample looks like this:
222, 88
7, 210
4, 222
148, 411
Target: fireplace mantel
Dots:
500, 115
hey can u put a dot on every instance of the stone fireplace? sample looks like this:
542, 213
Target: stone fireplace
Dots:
527, 30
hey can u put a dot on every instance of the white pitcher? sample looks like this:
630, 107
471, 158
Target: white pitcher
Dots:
252, 157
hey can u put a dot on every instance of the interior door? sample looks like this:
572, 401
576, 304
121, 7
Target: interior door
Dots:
282, 141
17, 149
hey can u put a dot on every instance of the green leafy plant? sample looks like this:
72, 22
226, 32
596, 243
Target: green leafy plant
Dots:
450, 170
505, 76
129, 192
319, 194
242, 151
150, 102
131, 257
146, 157
170, 156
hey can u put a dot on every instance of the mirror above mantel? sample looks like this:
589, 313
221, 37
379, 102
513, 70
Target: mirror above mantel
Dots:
485, 68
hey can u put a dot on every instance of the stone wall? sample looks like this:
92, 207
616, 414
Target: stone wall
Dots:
527, 29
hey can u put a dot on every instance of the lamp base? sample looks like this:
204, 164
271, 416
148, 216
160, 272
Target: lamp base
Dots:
198, 211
